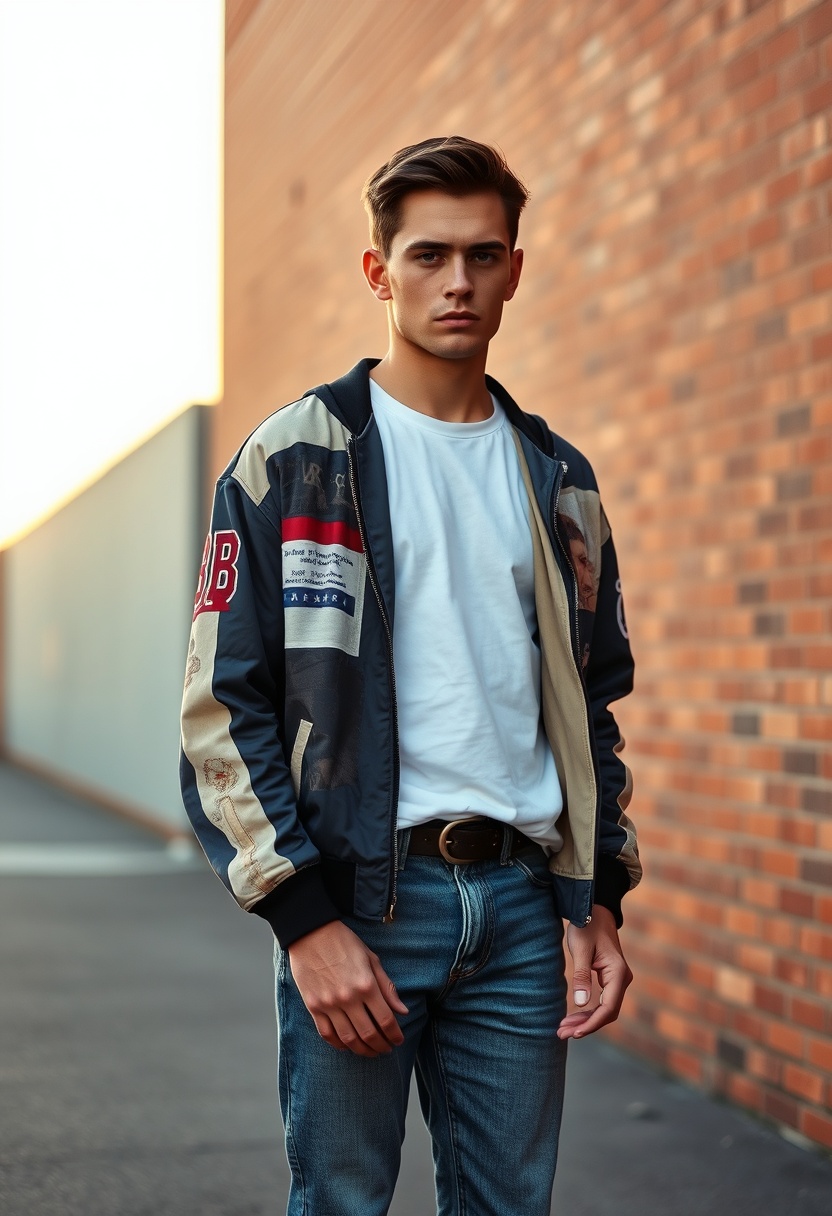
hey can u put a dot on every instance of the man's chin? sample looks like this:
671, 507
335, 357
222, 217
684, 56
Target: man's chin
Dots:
455, 346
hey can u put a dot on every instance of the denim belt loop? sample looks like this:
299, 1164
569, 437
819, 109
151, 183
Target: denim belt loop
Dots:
402, 846
508, 840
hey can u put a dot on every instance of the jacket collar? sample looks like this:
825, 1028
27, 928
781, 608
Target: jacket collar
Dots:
349, 400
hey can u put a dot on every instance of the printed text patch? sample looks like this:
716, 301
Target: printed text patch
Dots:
324, 570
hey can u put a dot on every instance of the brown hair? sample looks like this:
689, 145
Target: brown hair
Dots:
450, 163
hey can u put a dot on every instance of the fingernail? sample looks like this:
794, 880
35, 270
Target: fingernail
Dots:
581, 997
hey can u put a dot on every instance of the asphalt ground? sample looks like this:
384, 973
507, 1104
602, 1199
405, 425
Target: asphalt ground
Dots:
138, 1056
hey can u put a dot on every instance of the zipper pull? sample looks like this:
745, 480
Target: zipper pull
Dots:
388, 919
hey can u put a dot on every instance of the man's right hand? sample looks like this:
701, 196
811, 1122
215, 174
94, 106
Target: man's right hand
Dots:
346, 990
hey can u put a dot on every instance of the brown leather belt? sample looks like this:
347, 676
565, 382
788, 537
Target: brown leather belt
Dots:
466, 840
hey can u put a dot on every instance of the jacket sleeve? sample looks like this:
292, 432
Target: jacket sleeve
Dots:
235, 778
609, 676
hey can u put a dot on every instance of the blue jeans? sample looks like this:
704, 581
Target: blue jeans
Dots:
476, 953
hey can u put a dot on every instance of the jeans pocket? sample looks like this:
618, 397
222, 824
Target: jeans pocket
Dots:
535, 870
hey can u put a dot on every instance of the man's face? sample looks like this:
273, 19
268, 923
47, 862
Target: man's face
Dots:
448, 273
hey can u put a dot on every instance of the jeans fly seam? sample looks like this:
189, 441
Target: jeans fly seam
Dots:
465, 905
484, 893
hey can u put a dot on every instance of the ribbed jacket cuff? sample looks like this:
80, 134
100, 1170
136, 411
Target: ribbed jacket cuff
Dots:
612, 882
299, 905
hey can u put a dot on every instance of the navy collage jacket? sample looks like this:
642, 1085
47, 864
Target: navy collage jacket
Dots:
290, 753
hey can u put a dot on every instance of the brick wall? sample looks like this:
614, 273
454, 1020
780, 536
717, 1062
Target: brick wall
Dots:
675, 321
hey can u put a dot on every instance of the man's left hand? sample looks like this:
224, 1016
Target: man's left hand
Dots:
595, 948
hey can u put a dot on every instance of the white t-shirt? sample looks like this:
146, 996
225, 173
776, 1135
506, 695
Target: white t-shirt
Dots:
465, 643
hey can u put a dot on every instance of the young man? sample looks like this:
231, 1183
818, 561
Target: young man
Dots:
397, 743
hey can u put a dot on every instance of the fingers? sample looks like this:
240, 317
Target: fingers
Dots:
586, 1021
386, 986
612, 998
373, 1017
327, 1031
572, 1023
357, 1018
352, 1000
360, 1036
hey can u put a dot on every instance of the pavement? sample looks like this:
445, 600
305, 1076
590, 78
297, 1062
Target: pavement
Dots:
138, 1056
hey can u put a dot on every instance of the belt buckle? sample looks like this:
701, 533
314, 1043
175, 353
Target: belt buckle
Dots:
443, 843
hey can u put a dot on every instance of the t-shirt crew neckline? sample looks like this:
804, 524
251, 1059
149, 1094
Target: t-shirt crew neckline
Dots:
437, 426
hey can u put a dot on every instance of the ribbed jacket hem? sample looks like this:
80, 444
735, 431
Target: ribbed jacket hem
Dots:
299, 905
612, 882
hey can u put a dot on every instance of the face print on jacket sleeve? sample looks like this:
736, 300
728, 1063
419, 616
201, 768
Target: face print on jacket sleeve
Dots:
583, 567
585, 530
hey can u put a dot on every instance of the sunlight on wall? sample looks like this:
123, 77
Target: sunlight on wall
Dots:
110, 234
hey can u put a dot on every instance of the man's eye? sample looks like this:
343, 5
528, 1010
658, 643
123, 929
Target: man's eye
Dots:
483, 257
427, 257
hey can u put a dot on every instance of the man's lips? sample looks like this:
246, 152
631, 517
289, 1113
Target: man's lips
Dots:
458, 318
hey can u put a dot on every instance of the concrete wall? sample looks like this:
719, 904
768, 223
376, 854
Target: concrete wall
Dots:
674, 320
98, 604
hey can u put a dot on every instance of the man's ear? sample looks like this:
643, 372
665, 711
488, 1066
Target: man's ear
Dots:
376, 274
515, 266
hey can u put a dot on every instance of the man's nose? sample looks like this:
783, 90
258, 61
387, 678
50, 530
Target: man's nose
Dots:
459, 281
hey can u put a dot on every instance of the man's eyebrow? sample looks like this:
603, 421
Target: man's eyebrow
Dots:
444, 247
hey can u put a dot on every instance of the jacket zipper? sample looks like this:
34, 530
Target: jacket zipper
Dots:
394, 842
555, 500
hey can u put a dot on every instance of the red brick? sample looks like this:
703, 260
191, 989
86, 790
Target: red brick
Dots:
819, 170
818, 23
801, 71
802, 1083
816, 943
764, 1066
783, 44
781, 1109
780, 931
797, 902
749, 1025
743, 1090
809, 1014
785, 1039
818, 98
734, 986
821, 347
784, 187
763, 231
820, 1053
791, 971
771, 1000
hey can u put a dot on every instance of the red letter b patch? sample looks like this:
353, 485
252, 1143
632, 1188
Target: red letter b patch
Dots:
218, 573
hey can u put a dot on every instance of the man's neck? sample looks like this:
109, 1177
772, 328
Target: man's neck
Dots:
452, 390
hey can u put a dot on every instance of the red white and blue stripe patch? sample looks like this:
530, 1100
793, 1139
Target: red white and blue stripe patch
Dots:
324, 571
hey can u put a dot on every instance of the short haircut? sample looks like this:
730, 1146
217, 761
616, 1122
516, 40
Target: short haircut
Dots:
450, 163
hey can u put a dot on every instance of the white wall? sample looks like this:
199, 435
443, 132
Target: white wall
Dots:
98, 604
